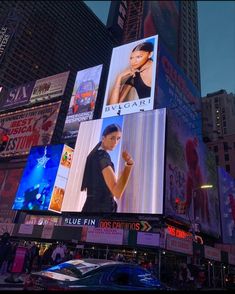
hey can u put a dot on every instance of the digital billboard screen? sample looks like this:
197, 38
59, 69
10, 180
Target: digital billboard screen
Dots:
227, 205
49, 87
131, 80
18, 96
102, 178
27, 128
37, 182
189, 165
83, 100
162, 18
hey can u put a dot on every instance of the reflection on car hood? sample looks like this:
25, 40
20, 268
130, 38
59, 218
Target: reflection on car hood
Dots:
58, 276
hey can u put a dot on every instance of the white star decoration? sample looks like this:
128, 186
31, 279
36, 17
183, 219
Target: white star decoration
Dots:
42, 161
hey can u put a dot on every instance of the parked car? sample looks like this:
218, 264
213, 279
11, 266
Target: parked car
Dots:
93, 274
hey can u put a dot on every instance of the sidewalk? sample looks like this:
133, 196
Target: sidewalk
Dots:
19, 281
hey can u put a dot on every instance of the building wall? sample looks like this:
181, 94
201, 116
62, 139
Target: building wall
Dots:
53, 37
182, 27
218, 115
189, 42
224, 150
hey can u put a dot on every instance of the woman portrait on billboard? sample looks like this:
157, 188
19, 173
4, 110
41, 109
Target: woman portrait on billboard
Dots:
99, 179
137, 76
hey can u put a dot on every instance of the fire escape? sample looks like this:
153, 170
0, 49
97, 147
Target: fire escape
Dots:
133, 25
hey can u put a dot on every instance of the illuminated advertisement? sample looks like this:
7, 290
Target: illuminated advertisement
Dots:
227, 205
7, 31
131, 82
162, 18
44, 178
82, 103
49, 87
9, 181
108, 161
18, 96
27, 128
188, 163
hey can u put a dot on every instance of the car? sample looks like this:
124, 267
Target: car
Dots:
93, 274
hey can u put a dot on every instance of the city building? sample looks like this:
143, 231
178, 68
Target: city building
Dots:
43, 38
218, 115
174, 21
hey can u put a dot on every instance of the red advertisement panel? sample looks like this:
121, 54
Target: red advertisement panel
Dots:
27, 128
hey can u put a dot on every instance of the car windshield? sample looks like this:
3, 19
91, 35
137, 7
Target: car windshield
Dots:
74, 268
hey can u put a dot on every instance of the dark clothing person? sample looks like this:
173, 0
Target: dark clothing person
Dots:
142, 89
99, 197
5, 248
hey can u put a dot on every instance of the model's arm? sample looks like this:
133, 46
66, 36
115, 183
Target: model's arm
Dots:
119, 91
118, 186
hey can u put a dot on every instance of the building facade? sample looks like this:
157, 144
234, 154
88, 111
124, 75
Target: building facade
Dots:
176, 23
218, 111
42, 38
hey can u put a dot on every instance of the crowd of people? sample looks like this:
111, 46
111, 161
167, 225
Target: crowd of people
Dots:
41, 255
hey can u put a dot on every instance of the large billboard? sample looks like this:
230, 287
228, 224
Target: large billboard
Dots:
162, 18
227, 205
131, 82
9, 181
101, 167
188, 163
44, 178
82, 103
7, 31
18, 96
49, 87
27, 128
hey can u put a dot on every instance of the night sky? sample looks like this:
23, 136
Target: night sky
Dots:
216, 23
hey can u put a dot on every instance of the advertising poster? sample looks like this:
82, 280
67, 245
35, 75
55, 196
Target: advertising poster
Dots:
162, 18
131, 80
18, 96
9, 181
227, 205
19, 260
99, 170
82, 103
61, 179
99, 235
7, 31
189, 165
49, 87
37, 182
27, 128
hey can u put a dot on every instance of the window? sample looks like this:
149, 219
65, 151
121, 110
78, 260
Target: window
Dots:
226, 157
217, 159
225, 146
215, 148
227, 167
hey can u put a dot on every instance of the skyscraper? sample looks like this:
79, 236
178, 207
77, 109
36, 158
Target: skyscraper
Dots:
218, 113
43, 38
174, 21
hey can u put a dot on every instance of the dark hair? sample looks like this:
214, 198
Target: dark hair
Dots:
146, 46
111, 128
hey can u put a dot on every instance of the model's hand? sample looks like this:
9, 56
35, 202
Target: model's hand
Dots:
127, 158
127, 73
